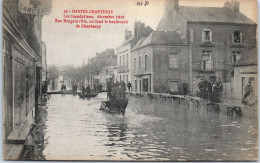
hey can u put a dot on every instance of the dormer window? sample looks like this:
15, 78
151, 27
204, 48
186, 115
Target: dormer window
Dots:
237, 37
206, 35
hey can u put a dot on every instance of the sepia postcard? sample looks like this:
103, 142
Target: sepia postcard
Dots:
132, 80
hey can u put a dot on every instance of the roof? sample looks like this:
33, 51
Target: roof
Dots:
160, 38
128, 41
213, 14
139, 43
248, 59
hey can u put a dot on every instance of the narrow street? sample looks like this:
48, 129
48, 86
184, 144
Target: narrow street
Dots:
76, 129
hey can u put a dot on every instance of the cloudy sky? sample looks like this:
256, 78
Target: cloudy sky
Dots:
67, 45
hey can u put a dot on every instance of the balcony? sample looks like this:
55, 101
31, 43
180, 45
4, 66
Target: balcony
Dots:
122, 69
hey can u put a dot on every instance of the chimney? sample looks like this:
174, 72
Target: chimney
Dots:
176, 5
138, 29
128, 34
233, 5
171, 6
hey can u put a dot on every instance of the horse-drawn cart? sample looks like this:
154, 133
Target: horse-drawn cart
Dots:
117, 101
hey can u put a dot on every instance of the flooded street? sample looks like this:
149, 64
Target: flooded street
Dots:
76, 129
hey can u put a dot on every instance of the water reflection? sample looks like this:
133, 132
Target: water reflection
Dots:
153, 129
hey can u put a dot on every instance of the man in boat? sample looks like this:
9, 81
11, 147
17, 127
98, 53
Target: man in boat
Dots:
83, 89
95, 87
88, 90
76, 87
100, 87
63, 87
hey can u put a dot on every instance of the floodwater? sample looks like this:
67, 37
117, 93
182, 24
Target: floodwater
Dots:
76, 129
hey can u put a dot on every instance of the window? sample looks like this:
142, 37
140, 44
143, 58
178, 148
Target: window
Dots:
120, 61
173, 60
123, 60
206, 64
237, 38
126, 78
134, 63
140, 62
206, 35
127, 59
173, 86
145, 63
136, 85
120, 78
236, 55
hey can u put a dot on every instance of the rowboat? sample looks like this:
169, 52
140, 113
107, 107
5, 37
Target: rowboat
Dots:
86, 95
61, 92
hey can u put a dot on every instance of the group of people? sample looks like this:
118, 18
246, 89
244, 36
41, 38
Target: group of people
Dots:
85, 90
211, 90
116, 90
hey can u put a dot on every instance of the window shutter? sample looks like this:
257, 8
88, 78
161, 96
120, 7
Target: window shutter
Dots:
211, 36
203, 35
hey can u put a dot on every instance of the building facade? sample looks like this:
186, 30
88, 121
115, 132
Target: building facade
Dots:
99, 63
22, 63
160, 63
245, 70
124, 50
217, 38
106, 74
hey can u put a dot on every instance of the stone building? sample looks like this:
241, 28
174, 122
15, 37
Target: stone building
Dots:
216, 37
106, 74
22, 64
124, 50
159, 63
245, 70
98, 63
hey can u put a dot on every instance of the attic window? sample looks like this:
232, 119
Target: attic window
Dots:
237, 37
206, 35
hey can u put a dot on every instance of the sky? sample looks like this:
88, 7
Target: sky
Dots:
68, 45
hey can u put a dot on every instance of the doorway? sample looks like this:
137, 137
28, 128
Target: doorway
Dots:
145, 85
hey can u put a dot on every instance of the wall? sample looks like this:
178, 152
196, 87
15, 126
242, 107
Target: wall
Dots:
123, 69
162, 74
240, 72
221, 48
139, 73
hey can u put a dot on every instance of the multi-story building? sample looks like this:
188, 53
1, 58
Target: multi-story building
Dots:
245, 70
44, 62
98, 63
106, 74
22, 60
212, 39
160, 62
124, 50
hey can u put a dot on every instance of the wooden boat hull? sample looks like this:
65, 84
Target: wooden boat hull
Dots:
61, 92
87, 96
